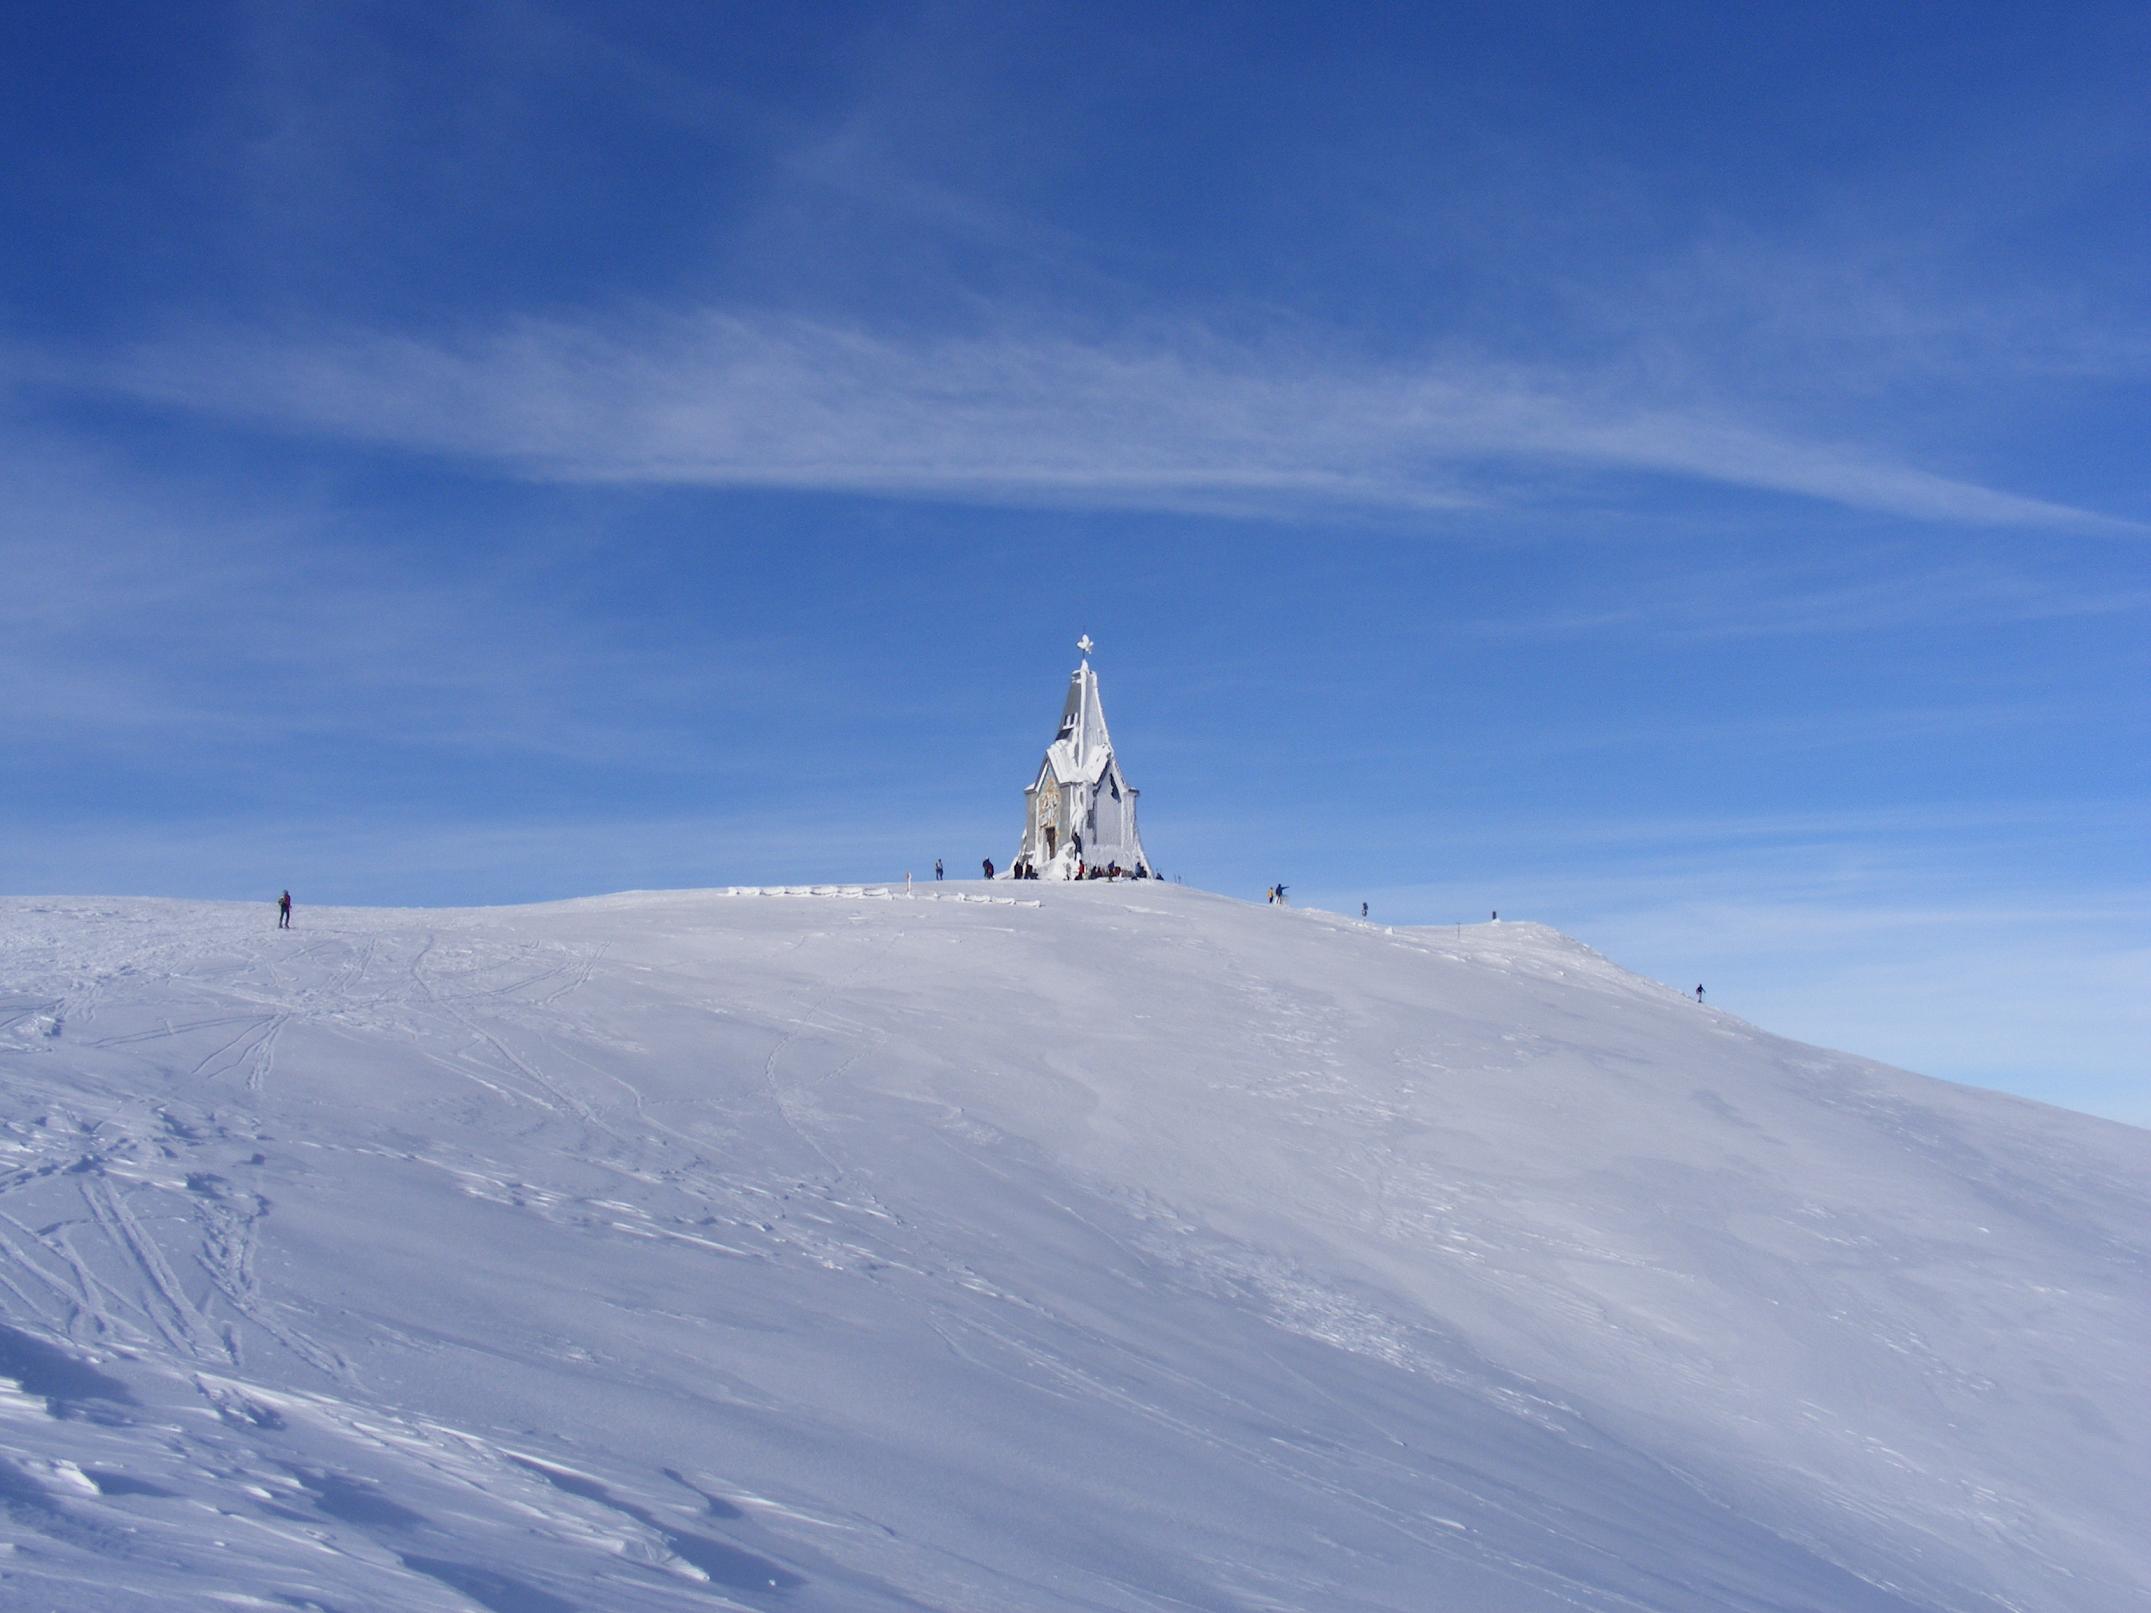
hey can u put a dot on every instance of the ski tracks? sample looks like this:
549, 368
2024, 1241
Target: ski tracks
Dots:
159, 1295
261, 1057
548, 1095
582, 976
120, 1223
128, 1245
231, 1238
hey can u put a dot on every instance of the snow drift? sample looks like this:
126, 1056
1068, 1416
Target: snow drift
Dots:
1092, 1247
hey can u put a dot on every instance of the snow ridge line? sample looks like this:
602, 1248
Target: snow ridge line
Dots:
876, 893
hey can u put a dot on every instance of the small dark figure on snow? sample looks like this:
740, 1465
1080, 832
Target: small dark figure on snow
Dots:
1363, 912
1699, 994
283, 911
937, 868
987, 864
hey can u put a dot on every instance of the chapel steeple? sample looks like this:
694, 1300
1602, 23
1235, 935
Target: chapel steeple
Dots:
1079, 811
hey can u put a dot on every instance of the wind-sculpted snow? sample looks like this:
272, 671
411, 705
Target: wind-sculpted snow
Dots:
1107, 1248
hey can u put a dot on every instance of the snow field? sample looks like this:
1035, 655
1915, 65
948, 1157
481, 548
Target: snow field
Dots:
1111, 1247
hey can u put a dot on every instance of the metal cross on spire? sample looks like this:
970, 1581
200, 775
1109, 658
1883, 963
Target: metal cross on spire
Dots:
1084, 644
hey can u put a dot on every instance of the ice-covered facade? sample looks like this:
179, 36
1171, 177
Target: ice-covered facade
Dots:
1080, 808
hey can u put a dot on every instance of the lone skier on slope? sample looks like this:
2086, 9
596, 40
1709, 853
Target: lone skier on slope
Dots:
283, 911
1698, 993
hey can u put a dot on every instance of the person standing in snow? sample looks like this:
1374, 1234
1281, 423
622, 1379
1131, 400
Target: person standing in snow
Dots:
1698, 993
937, 869
1362, 912
283, 911
987, 864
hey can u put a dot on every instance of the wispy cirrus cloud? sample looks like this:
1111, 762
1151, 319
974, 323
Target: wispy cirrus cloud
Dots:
1186, 421
177, 627
1778, 600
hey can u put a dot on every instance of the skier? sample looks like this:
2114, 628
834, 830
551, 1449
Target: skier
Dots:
987, 864
937, 868
1280, 896
283, 911
1698, 993
1362, 912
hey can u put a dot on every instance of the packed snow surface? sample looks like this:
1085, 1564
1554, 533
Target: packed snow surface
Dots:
1022, 1247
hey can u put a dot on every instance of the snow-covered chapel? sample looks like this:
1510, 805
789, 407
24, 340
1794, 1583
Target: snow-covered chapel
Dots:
1080, 809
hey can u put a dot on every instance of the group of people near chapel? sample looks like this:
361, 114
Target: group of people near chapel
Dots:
1026, 869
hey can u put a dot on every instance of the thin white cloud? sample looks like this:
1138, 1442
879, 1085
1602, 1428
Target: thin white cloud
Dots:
1186, 422
1778, 601
1943, 824
176, 625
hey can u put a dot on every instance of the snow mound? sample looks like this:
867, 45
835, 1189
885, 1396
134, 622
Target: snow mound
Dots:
1115, 1247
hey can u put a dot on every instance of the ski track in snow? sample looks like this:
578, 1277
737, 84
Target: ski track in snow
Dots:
1104, 1247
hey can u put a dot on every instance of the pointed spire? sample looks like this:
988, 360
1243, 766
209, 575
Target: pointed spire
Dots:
1081, 790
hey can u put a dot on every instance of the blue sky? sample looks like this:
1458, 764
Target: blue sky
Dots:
1677, 472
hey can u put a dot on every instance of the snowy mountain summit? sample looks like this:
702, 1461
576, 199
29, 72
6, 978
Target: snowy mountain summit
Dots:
839, 1250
